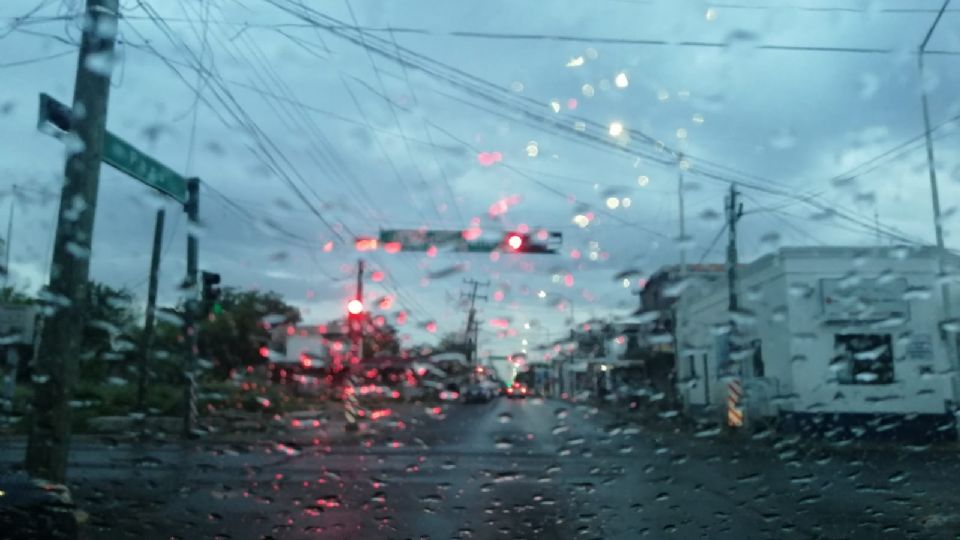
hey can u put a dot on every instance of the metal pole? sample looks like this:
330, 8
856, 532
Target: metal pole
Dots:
192, 208
351, 405
56, 372
151, 310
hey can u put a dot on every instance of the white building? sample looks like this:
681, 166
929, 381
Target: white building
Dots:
839, 336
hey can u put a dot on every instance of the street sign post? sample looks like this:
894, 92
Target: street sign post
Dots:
128, 159
118, 153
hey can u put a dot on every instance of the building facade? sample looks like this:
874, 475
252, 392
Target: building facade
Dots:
839, 338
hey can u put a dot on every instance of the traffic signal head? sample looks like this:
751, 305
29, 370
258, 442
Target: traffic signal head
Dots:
211, 291
211, 285
515, 241
521, 242
355, 307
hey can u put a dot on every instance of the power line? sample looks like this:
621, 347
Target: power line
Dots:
574, 38
390, 104
37, 59
473, 82
713, 243
266, 146
405, 62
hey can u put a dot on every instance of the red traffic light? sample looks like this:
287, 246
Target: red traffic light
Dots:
355, 307
514, 241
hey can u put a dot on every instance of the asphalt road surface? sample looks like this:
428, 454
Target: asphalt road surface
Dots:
508, 469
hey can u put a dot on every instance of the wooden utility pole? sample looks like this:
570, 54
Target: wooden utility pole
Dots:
472, 331
734, 212
56, 372
151, 310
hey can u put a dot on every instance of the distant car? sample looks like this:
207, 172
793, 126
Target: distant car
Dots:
450, 393
476, 393
517, 391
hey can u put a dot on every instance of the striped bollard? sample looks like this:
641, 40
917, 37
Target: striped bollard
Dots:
734, 397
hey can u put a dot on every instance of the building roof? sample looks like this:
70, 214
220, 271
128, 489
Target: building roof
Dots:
851, 252
706, 268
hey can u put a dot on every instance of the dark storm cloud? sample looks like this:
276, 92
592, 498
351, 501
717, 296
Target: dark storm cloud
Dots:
794, 119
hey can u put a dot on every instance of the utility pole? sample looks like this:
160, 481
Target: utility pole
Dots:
681, 242
734, 412
471, 331
192, 208
151, 310
950, 339
876, 222
56, 372
734, 212
9, 240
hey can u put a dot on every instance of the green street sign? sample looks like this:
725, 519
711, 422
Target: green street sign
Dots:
422, 240
119, 154
126, 158
544, 242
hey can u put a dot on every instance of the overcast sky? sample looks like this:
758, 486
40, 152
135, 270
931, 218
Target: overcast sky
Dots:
296, 114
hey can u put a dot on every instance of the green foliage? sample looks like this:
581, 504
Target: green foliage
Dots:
108, 335
452, 342
13, 296
377, 340
232, 339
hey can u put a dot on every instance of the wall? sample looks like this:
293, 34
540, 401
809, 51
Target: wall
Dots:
784, 293
297, 344
813, 340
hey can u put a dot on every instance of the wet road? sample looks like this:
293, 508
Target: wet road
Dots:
510, 469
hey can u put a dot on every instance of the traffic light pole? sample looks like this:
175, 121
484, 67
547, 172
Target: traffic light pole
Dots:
56, 371
151, 309
351, 404
192, 208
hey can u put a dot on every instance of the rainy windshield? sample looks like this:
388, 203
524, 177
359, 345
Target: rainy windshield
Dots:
547, 269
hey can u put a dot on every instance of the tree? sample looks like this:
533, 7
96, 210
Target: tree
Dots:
108, 331
452, 342
13, 296
232, 338
379, 336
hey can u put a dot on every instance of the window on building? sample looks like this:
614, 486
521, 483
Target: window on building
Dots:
863, 358
758, 368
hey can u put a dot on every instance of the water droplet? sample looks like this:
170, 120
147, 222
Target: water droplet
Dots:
503, 444
504, 418
101, 63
